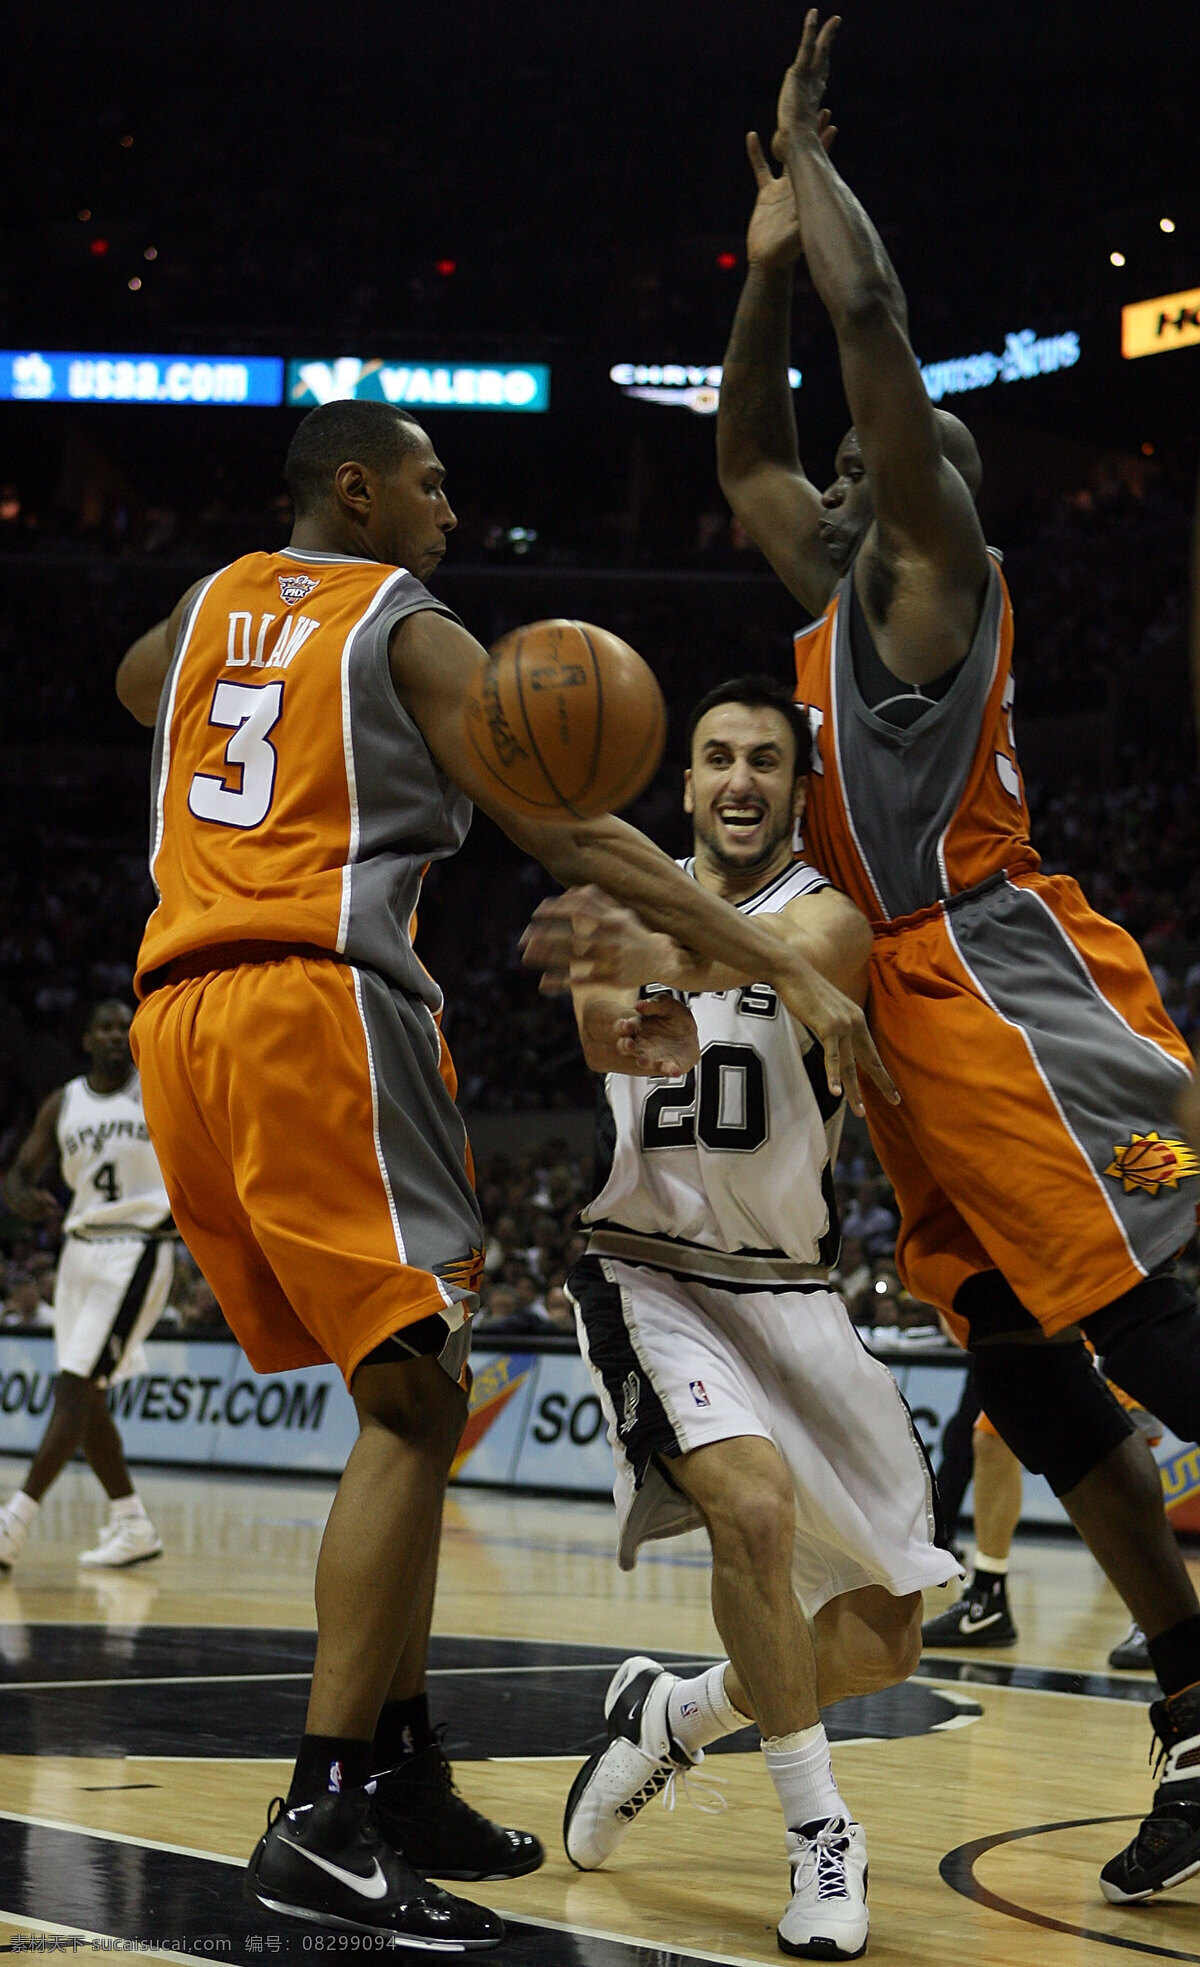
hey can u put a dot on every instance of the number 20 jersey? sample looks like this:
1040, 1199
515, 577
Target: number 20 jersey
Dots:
725, 1175
294, 798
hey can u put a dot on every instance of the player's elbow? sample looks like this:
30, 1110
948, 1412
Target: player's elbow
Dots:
132, 693
872, 306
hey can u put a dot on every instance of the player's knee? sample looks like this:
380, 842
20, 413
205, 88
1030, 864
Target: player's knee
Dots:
414, 1400
1149, 1340
74, 1395
755, 1530
1051, 1407
904, 1637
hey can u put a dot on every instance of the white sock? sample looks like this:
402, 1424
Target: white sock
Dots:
23, 1508
803, 1774
699, 1711
995, 1566
126, 1508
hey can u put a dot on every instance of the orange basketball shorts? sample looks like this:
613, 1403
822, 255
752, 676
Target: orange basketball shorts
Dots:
303, 1115
1038, 1075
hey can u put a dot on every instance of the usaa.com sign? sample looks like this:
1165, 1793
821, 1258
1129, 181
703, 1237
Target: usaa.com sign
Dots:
419, 386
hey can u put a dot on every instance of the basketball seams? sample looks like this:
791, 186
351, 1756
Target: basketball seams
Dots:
598, 732
560, 797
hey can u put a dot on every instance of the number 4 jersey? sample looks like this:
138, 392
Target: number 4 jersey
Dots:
294, 799
725, 1174
107, 1160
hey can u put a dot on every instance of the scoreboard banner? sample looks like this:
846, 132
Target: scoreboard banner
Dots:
36, 376
1153, 327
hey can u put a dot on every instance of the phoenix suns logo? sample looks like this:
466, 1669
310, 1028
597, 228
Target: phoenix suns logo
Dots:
296, 587
1148, 1162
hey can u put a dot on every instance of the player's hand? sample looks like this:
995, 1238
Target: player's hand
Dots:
841, 1030
799, 109
584, 937
38, 1205
773, 236
658, 1039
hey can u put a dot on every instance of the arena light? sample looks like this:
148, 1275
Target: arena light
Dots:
35, 376
1116, 259
1024, 356
417, 385
1152, 327
1166, 225
680, 385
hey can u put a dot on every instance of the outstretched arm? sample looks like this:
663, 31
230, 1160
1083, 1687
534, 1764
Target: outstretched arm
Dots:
432, 662
758, 459
925, 520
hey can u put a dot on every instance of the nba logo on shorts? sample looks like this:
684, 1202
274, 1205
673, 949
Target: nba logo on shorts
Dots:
699, 1394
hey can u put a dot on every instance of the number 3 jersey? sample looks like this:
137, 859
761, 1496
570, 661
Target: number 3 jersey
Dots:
725, 1174
294, 799
108, 1162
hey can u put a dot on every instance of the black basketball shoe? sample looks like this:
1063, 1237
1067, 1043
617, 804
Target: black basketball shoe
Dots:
420, 1812
1166, 1849
981, 1618
1131, 1654
328, 1863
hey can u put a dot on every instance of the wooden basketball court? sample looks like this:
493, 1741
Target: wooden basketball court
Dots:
149, 1717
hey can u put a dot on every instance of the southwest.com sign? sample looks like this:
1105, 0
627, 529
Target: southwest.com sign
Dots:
425, 386
1151, 327
33, 376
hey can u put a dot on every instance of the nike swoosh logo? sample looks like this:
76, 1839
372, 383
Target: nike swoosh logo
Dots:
374, 1886
968, 1624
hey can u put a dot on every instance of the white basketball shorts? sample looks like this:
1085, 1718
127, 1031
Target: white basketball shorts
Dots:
678, 1365
107, 1296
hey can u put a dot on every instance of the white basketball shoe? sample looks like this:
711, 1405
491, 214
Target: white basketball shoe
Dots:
124, 1540
827, 1918
639, 1760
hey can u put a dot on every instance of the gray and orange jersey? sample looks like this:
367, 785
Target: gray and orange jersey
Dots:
903, 819
294, 800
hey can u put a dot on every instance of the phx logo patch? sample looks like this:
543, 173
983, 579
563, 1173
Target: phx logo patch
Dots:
296, 587
1148, 1162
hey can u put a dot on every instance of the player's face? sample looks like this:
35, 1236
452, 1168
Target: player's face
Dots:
846, 509
740, 789
412, 515
106, 1040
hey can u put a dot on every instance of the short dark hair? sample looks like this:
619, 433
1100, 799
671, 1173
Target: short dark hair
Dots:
107, 1004
758, 693
374, 434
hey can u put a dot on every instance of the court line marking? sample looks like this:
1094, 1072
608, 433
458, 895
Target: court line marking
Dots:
1041, 1693
225, 1679
957, 1869
683, 1954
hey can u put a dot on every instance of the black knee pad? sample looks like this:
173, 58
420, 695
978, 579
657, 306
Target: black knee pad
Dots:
1051, 1407
1149, 1340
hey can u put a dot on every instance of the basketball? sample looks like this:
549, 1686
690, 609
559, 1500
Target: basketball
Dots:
566, 720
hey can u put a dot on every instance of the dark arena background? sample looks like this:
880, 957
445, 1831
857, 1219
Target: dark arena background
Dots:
527, 225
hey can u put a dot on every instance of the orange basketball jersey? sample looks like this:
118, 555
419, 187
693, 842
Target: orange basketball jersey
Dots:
901, 820
294, 799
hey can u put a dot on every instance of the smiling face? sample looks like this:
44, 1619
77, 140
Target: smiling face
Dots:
846, 508
743, 795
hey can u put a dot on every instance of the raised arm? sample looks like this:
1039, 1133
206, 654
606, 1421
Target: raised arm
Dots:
143, 668
758, 458
926, 538
432, 661
35, 1156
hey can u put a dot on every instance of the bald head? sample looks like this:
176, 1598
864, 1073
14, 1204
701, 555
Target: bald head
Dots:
960, 448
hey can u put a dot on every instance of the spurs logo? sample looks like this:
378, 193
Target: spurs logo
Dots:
631, 1394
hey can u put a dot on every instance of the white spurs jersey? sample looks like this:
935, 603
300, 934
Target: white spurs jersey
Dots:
725, 1175
107, 1160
